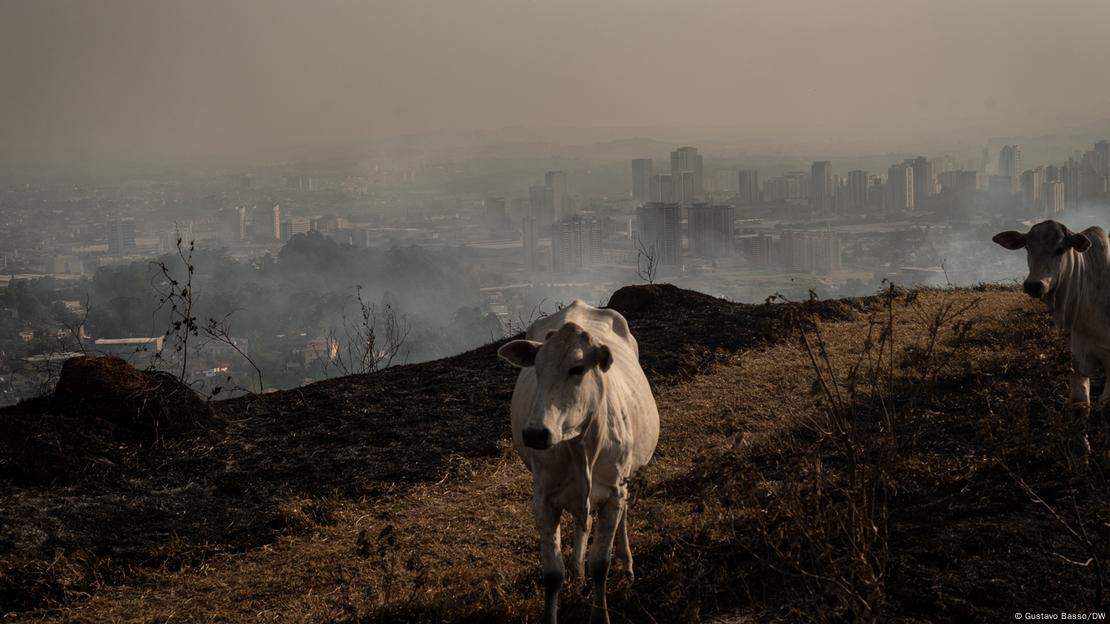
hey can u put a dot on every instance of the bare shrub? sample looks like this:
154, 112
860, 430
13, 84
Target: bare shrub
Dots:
647, 264
372, 341
825, 525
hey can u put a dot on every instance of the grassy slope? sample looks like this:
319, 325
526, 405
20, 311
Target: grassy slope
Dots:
396, 497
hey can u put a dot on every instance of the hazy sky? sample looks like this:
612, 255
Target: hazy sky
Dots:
156, 79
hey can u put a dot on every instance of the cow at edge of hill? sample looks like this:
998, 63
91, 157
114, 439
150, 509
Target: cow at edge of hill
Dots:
1070, 272
583, 420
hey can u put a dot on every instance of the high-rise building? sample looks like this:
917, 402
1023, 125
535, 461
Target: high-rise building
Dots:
1053, 197
683, 160
1052, 174
642, 170
300, 183
277, 222
1069, 173
684, 184
816, 252
661, 189
1009, 165
1102, 148
1031, 188
924, 182
244, 217
960, 181
1092, 175
575, 244
821, 193
711, 230
658, 231
899, 187
1000, 185
121, 235
497, 212
747, 187
556, 183
530, 239
539, 206
876, 195
857, 191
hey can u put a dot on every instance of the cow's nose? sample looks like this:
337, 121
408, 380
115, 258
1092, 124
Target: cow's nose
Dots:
539, 438
1034, 288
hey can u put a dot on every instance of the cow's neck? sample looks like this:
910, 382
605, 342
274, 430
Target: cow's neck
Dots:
1079, 280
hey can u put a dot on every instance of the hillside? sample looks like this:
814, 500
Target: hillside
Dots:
799, 475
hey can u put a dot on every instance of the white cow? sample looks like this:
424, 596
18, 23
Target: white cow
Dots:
584, 420
1070, 272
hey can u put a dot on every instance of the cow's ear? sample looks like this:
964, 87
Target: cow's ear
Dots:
603, 358
1078, 242
1010, 239
520, 353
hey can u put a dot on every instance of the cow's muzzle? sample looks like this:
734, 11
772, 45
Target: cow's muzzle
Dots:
1035, 289
539, 438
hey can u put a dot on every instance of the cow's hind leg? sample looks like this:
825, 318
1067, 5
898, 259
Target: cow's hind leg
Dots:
1077, 415
624, 550
608, 519
551, 554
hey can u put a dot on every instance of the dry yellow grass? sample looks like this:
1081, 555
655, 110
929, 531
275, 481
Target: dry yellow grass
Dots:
464, 548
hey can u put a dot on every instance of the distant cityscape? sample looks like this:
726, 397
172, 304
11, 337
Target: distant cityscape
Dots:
501, 243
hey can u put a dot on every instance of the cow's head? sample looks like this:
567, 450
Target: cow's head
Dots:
569, 365
1045, 245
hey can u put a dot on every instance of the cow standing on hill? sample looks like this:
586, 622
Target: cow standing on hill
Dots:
1071, 273
584, 420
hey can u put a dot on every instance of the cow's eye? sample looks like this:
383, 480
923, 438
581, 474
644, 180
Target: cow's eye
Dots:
1060, 251
576, 371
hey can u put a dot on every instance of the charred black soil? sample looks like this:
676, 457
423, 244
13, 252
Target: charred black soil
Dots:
337, 473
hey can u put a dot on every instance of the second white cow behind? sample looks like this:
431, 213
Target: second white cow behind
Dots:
584, 420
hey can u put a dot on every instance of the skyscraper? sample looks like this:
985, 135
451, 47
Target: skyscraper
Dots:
924, 182
683, 160
642, 170
1102, 148
121, 235
556, 183
1069, 174
1053, 191
575, 244
661, 189
711, 230
857, 190
747, 187
277, 222
899, 187
1009, 164
658, 231
821, 193
1031, 188
533, 223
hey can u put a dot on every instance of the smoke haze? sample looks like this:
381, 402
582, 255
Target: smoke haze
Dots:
129, 81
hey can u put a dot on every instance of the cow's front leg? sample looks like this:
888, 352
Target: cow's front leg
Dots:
1078, 413
1100, 427
581, 535
608, 519
547, 520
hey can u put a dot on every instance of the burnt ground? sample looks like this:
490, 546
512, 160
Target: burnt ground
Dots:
86, 517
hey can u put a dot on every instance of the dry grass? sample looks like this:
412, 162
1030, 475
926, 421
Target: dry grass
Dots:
727, 521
